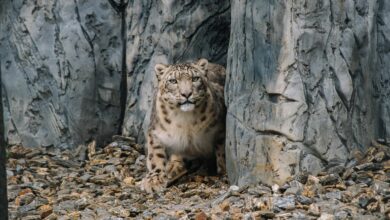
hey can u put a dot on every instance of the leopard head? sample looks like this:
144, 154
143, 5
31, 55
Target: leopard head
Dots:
183, 86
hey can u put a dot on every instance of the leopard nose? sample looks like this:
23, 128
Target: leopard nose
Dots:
186, 94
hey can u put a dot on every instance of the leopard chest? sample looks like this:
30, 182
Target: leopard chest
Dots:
188, 136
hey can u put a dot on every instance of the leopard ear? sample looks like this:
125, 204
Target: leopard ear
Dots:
160, 69
202, 64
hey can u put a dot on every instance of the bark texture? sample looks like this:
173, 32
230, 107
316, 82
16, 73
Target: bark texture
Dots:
304, 91
61, 63
168, 32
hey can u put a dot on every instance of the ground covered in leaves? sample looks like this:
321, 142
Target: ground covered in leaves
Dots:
90, 183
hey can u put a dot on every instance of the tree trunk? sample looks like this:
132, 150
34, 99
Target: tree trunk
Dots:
302, 86
61, 62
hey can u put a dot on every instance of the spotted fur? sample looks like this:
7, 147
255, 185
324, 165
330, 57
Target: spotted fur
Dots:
188, 120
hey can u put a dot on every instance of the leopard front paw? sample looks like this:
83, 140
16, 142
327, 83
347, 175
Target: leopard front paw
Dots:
154, 182
175, 169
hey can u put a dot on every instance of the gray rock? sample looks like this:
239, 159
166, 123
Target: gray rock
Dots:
355, 189
336, 170
248, 216
125, 147
364, 178
87, 214
12, 194
381, 187
65, 206
61, 67
330, 179
284, 203
334, 195
28, 209
10, 173
296, 87
326, 216
85, 177
342, 215
103, 213
364, 201
26, 199
259, 191
349, 183
110, 169
82, 203
366, 217
299, 215
304, 200
295, 188
369, 166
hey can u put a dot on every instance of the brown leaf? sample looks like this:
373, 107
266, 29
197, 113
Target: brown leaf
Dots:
45, 210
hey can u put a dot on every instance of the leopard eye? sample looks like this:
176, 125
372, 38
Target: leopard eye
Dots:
195, 78
173, 81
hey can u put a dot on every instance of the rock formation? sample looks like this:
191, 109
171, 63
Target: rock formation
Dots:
61, 68
304, 91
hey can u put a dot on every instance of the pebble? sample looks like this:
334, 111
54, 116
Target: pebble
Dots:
10, 173
234, 188
334, 195
285, 203
330, 179
326, 216
314, 209
342, 214
275, 188
381, 187
295, 188
304, 200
